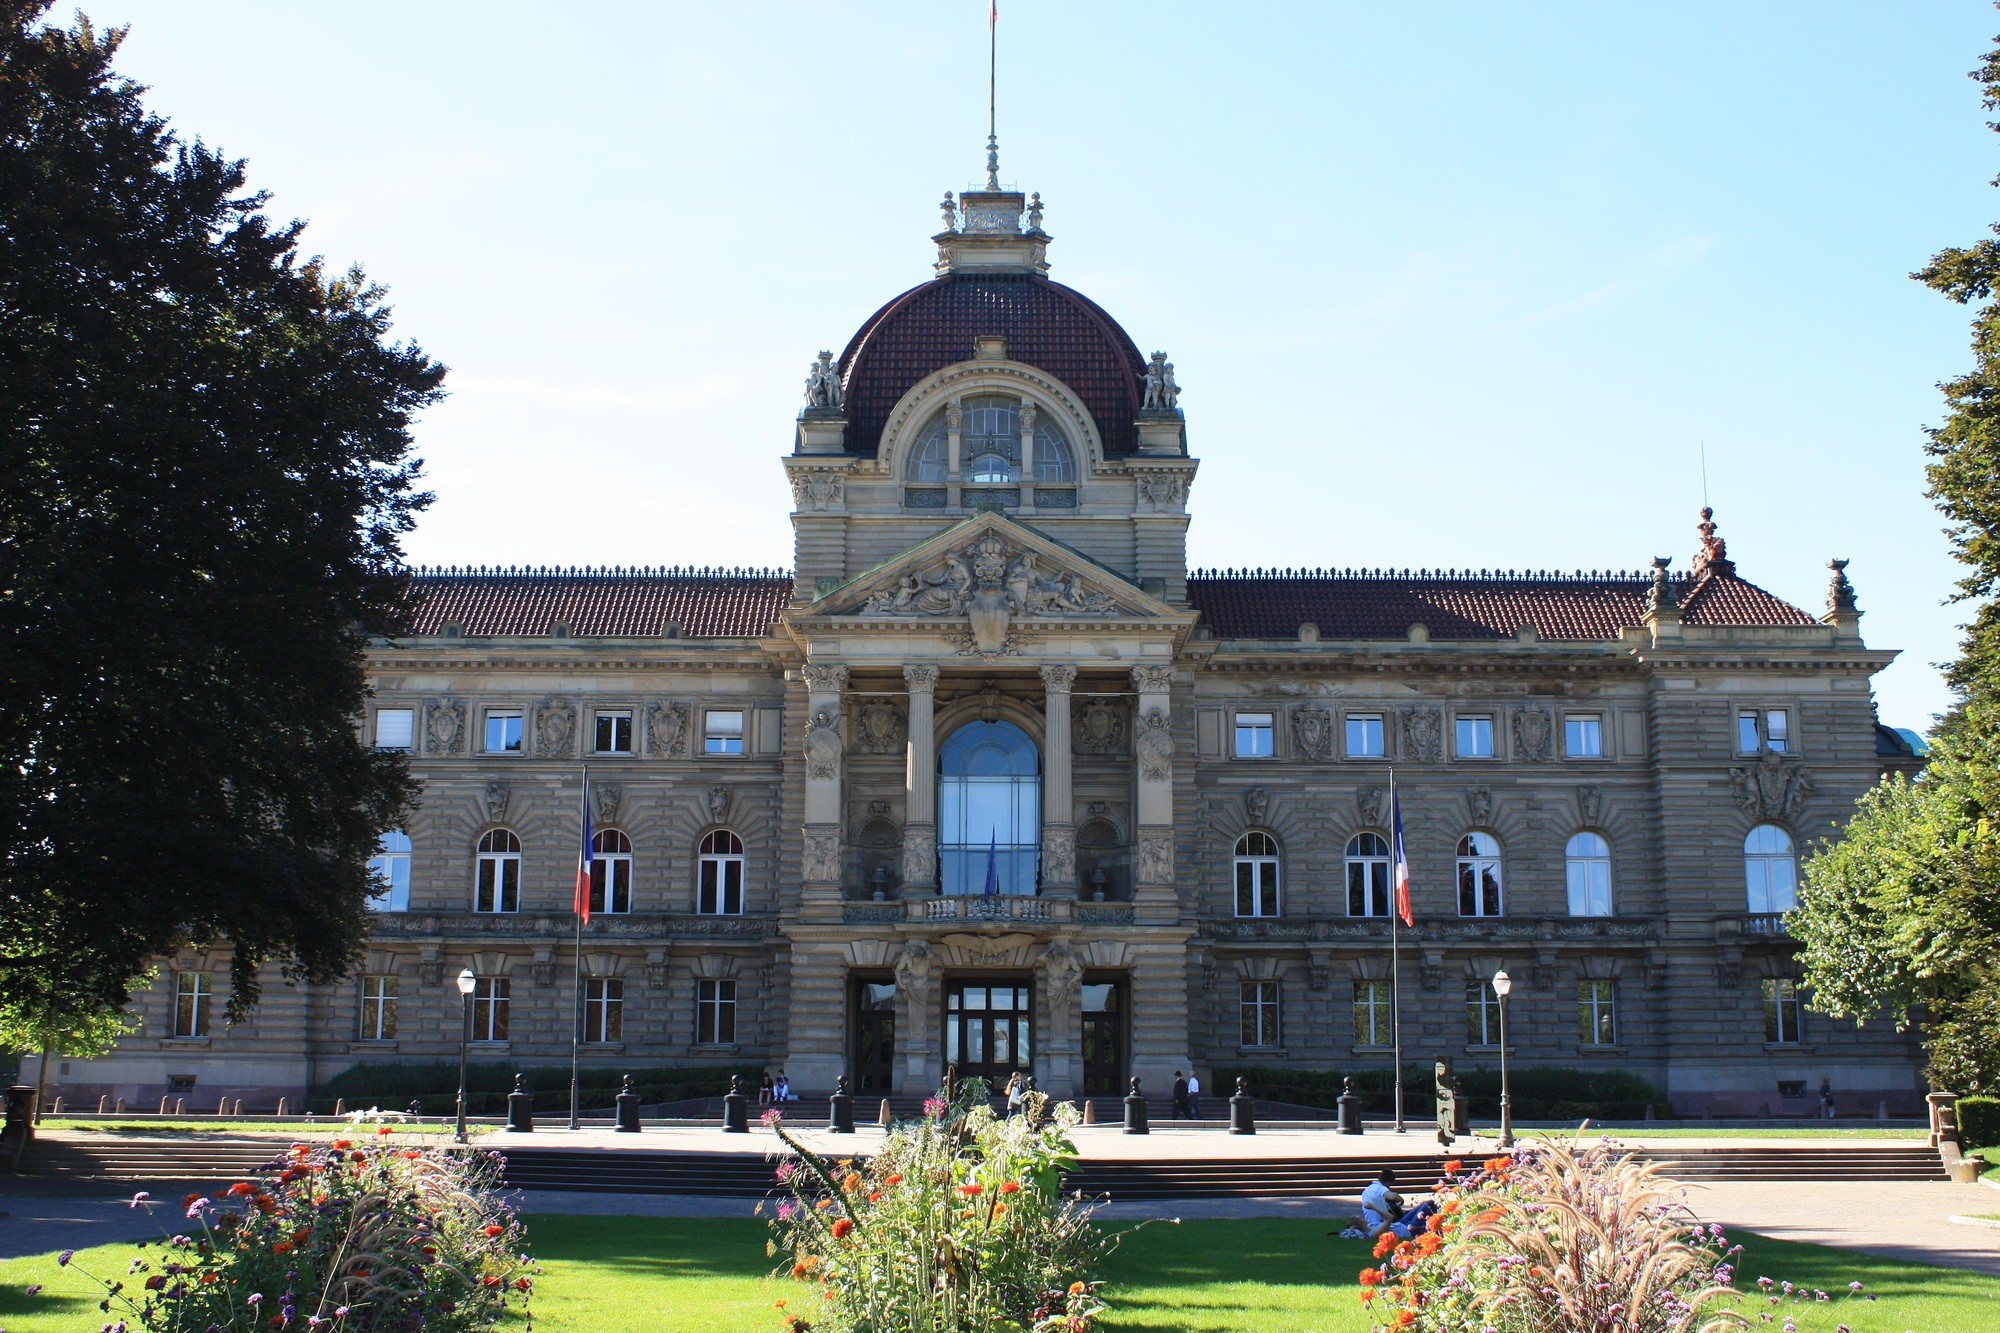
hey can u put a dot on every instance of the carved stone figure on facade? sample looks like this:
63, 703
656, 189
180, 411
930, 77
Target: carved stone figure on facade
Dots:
1590, 804
1162, 394
495, 797
1156, 856
1155, 745
822, 856
718, 803
1256, 805
1368, 804
881, 728
950, 210
444, 726
555, 726
1062, 973
915, 967
1839, 592
1479, 805
1100, 727
1660, 600
1772, 788
1713, 557
1058, 854
667, 728
1423, 734
606, 796
823, 385
1534, 734
823, 743
1312, 730
919, 856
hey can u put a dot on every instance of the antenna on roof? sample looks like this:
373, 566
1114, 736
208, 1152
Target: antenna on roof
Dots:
992, 83
1704, 474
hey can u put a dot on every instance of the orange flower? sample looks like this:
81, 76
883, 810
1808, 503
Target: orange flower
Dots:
492, 1281
281, 1247
412, 1154
896, 1179
851, 1183
1498, 1163
842, 1228
804, 1265
209, 1277
384, 1129
1453, 1167
876, 1197
1010, 1187
494, 1229
242, 1187
1385, 1243
342, 1145
970, 1190
1435, 1223
999, 1208
1370, 1276
1404, 1318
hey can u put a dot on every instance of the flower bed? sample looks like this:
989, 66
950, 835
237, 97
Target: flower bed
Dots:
342, 1237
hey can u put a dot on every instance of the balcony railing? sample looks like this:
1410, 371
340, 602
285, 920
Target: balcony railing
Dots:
1764, 923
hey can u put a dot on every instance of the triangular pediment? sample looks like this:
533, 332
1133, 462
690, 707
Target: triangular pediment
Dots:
990, 566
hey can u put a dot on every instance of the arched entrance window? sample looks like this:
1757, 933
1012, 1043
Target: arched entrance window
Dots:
989, 809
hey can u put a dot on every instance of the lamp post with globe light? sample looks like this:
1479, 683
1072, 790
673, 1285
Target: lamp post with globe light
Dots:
1503, 986
467, 983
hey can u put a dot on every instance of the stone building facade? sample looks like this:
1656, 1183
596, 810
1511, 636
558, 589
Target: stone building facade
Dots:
990, 780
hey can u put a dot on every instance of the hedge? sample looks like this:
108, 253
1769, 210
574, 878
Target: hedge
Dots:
1541, 1092
1979, 1121
394, 1085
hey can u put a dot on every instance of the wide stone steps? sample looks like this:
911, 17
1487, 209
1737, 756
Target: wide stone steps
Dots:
750, 1175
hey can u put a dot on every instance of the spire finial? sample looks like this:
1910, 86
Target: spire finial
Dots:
1713, 557
993, 162
992, 84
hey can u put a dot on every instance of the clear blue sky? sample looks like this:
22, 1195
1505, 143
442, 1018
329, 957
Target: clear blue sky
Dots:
1445, 284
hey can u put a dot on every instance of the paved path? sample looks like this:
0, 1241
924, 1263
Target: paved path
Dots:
38, 1223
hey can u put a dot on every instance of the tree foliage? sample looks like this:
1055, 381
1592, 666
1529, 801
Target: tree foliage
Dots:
206, 473
1901, 914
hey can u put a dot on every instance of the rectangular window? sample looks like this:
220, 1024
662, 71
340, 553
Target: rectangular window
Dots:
1364, 736
1763, 729
1597, 1013
611, 882
614, 733
191, 996
378, 1008
1260, 1013
1253, 735
1373, 1021
489, 1009
1475, 737
604, 1009
503, 731
391, 869
1781, 1010
1368, 880
499, 885
1482, 1014
724, 734
715, 1012
395, 728
721, 885
1256, 886
1583, 735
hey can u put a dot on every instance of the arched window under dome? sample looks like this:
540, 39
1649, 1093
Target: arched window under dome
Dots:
989, 809
989, 446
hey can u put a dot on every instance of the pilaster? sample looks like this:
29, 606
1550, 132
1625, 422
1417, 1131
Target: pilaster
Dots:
1153, 749
1058, 801
920, 783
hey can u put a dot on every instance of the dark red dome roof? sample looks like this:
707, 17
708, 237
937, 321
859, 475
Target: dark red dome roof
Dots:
1046, 325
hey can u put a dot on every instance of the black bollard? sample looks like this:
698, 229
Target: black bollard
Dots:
20, 1128
1242, 1111
628, 1108
735, 1108
1347, 1108
840, 1110
1135, 1110
520, 1107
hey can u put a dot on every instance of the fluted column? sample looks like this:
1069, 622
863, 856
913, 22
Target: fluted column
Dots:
1153, 749
1058, 803
824, 752
920, 783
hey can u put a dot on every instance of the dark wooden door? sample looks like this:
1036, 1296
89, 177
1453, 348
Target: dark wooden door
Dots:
989, 1030
875, 1036
1103, 1039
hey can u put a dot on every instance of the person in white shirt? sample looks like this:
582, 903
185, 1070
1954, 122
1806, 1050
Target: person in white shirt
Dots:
1380, 1204
1194, 1095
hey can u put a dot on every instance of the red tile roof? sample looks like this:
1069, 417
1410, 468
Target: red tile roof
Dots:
704, 603
1364, 604
1046, 325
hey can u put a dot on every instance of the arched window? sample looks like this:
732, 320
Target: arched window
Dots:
1771, 872
1368, 875
1589, 863
610, 871
1257, 874
989, 445
391, 868
930, 457
498, 885
720, 862
1055, 465
989, 810
1478, 875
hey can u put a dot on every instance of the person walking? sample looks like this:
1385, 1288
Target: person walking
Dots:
1016, 1095
1194, 1095
1181, 1109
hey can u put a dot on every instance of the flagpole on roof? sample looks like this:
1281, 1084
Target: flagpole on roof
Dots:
582, 909
1395, 945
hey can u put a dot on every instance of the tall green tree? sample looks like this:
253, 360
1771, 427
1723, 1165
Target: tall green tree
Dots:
1903, 914
205, 475
52, 1023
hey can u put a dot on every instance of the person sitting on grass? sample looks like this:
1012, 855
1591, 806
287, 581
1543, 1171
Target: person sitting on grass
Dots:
1382, 1209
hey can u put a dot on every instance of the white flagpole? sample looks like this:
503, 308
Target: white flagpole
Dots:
1396, 949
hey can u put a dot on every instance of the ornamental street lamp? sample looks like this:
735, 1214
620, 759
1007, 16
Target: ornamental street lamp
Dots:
1503, 986
466, 985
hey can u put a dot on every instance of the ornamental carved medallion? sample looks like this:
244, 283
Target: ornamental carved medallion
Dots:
667, 728
1155, 745
823, 744
1312, 731
444, 726
1534, 734
1423, 734
555, 727
881, 729
1772, 788
1100, 727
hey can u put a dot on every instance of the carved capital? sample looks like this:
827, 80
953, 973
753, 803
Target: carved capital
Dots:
1152, 679
825, 677
921, 679
1058, 679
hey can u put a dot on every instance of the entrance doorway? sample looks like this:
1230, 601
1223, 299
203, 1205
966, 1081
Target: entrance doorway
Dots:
874, 1036
988, 1031
1103, 1038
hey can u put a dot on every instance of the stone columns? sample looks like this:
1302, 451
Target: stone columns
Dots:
918, 1019
1058, 804
1153, 749
1027, 442
954, 416
821, 869
920, 782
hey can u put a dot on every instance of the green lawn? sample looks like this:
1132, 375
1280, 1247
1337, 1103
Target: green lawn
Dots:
705, 1275
1991, 1156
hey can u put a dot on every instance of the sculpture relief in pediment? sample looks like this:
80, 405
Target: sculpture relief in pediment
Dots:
994, 573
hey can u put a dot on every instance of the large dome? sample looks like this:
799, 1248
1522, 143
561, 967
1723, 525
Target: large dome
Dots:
1047, 325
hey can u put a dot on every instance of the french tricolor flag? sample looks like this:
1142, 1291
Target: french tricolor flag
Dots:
1402, 861
584, 862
